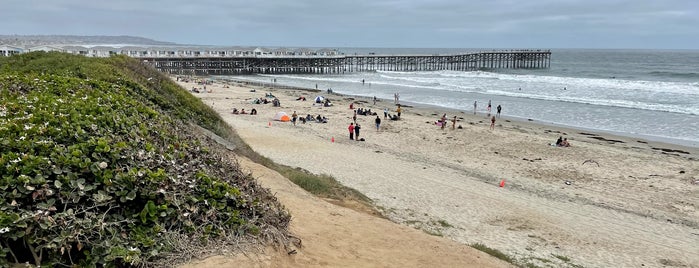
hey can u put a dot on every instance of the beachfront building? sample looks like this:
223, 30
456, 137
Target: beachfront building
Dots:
46, 49
102, 51
246, 52
7, 51
282, 52
261, 51
327, 52
162, 52
174, 51
304, 52
77, 50
136, 52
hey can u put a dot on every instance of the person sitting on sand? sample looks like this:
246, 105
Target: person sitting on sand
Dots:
242, 111
559, 141
235, 111
565, 143
276, 103
253, 111
302, 98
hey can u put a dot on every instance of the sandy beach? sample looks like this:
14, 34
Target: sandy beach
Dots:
606, 201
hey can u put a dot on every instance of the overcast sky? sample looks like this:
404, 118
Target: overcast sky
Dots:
370, 23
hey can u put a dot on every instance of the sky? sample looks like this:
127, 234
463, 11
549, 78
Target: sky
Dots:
644, 24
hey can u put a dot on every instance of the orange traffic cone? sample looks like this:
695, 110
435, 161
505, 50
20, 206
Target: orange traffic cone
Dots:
502, 183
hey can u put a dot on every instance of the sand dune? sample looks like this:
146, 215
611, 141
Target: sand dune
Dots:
604, 202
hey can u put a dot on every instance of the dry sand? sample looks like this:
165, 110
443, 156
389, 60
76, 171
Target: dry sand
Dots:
606, 201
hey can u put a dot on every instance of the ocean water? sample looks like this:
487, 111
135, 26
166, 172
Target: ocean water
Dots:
651, 94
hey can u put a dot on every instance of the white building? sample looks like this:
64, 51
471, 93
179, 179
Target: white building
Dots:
7, 51
261, 51
77, 50
102, 51
174, 51
45, 49
304, 52
327, 52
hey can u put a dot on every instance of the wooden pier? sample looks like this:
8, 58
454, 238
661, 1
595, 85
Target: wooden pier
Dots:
519, 59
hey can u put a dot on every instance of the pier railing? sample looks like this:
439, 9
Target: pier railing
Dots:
352, 63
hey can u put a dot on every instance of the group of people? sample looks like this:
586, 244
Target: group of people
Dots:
324, 101
442, 122
275, 101
362, 111
562, 142
309, 118
242, 111
354, 131
200, 90
261, 101
488, 108
393, 117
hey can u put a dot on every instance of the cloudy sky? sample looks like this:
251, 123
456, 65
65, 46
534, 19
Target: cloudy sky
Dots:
370, 23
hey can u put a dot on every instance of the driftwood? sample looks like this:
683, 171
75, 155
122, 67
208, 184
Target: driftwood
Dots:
590, 161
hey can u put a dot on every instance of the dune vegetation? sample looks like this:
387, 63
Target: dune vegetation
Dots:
102, 164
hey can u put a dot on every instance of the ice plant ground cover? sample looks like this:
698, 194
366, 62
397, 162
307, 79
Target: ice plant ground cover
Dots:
100, 165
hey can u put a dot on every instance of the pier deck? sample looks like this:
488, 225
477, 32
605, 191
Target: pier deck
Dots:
354, 63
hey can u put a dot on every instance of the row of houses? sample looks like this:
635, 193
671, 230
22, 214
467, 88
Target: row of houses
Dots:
175, 52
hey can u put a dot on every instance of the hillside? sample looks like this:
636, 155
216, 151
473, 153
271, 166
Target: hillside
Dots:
101, 164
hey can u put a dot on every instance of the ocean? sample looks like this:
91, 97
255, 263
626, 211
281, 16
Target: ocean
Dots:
650, 94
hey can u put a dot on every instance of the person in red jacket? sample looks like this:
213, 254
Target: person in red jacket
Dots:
351, 131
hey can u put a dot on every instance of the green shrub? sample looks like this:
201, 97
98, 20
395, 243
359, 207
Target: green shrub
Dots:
493, 252
99, 167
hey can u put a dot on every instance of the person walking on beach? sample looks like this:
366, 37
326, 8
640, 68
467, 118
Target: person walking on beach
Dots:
294, 116
488, 106
499, 109
398, 111
475, 106
374, 100
453, 123
378, 122
443, 121
356, 132
385, 113
351, 131
492, 123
